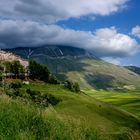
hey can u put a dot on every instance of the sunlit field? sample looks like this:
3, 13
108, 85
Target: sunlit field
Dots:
128, 100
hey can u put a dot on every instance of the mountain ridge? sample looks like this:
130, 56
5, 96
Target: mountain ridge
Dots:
51, 51
81, 66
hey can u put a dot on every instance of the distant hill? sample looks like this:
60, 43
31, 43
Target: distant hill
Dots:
134, 69
81, 66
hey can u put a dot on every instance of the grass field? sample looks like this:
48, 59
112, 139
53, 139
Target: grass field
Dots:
129, 101
76, 116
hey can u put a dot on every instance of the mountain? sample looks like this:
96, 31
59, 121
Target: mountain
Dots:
81, 66
134, 69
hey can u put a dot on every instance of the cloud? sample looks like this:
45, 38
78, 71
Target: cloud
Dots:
110, 42
136, 31
115, 61
103, 42
54, 10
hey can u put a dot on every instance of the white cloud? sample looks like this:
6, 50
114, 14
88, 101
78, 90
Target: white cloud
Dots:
103, 42
110, 41
116, 61
54, 10
136, 31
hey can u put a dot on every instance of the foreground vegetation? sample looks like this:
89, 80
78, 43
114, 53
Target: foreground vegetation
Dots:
75, 116
20, 120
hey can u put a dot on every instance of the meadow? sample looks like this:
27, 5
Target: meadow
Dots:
77, 116
126, 100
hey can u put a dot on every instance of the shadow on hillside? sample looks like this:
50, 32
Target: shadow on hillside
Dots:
66, 65
100, 81
61, 76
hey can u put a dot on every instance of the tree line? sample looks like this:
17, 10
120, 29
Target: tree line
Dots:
34, 71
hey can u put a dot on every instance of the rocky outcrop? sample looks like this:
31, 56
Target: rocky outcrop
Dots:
6, 56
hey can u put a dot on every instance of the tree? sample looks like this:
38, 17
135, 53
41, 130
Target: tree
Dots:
76, 87
38, 71
15, 69
8, 67
1, 76
69, 85
1, 72
53, 79
72, 86
41, 72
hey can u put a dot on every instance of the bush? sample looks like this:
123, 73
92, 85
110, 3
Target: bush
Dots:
43, 100
72, 86
76, 87
16, 85
53, 80
52, 100
32, 92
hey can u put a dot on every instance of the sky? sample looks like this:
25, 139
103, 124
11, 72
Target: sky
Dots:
109, 28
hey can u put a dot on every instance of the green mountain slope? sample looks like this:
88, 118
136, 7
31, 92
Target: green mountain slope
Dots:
81, 66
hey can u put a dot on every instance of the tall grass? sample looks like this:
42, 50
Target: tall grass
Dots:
24, 120
20, 121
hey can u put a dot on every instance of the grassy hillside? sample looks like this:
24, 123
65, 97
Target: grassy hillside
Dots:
81, 66
76, 116
95, 73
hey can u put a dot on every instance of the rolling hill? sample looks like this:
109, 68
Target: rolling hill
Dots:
81, 66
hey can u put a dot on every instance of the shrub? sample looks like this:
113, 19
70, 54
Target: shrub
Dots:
69, 85
32, 92
43, 100
53, 80
16, 85
72, 86
76, 87
52, 100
